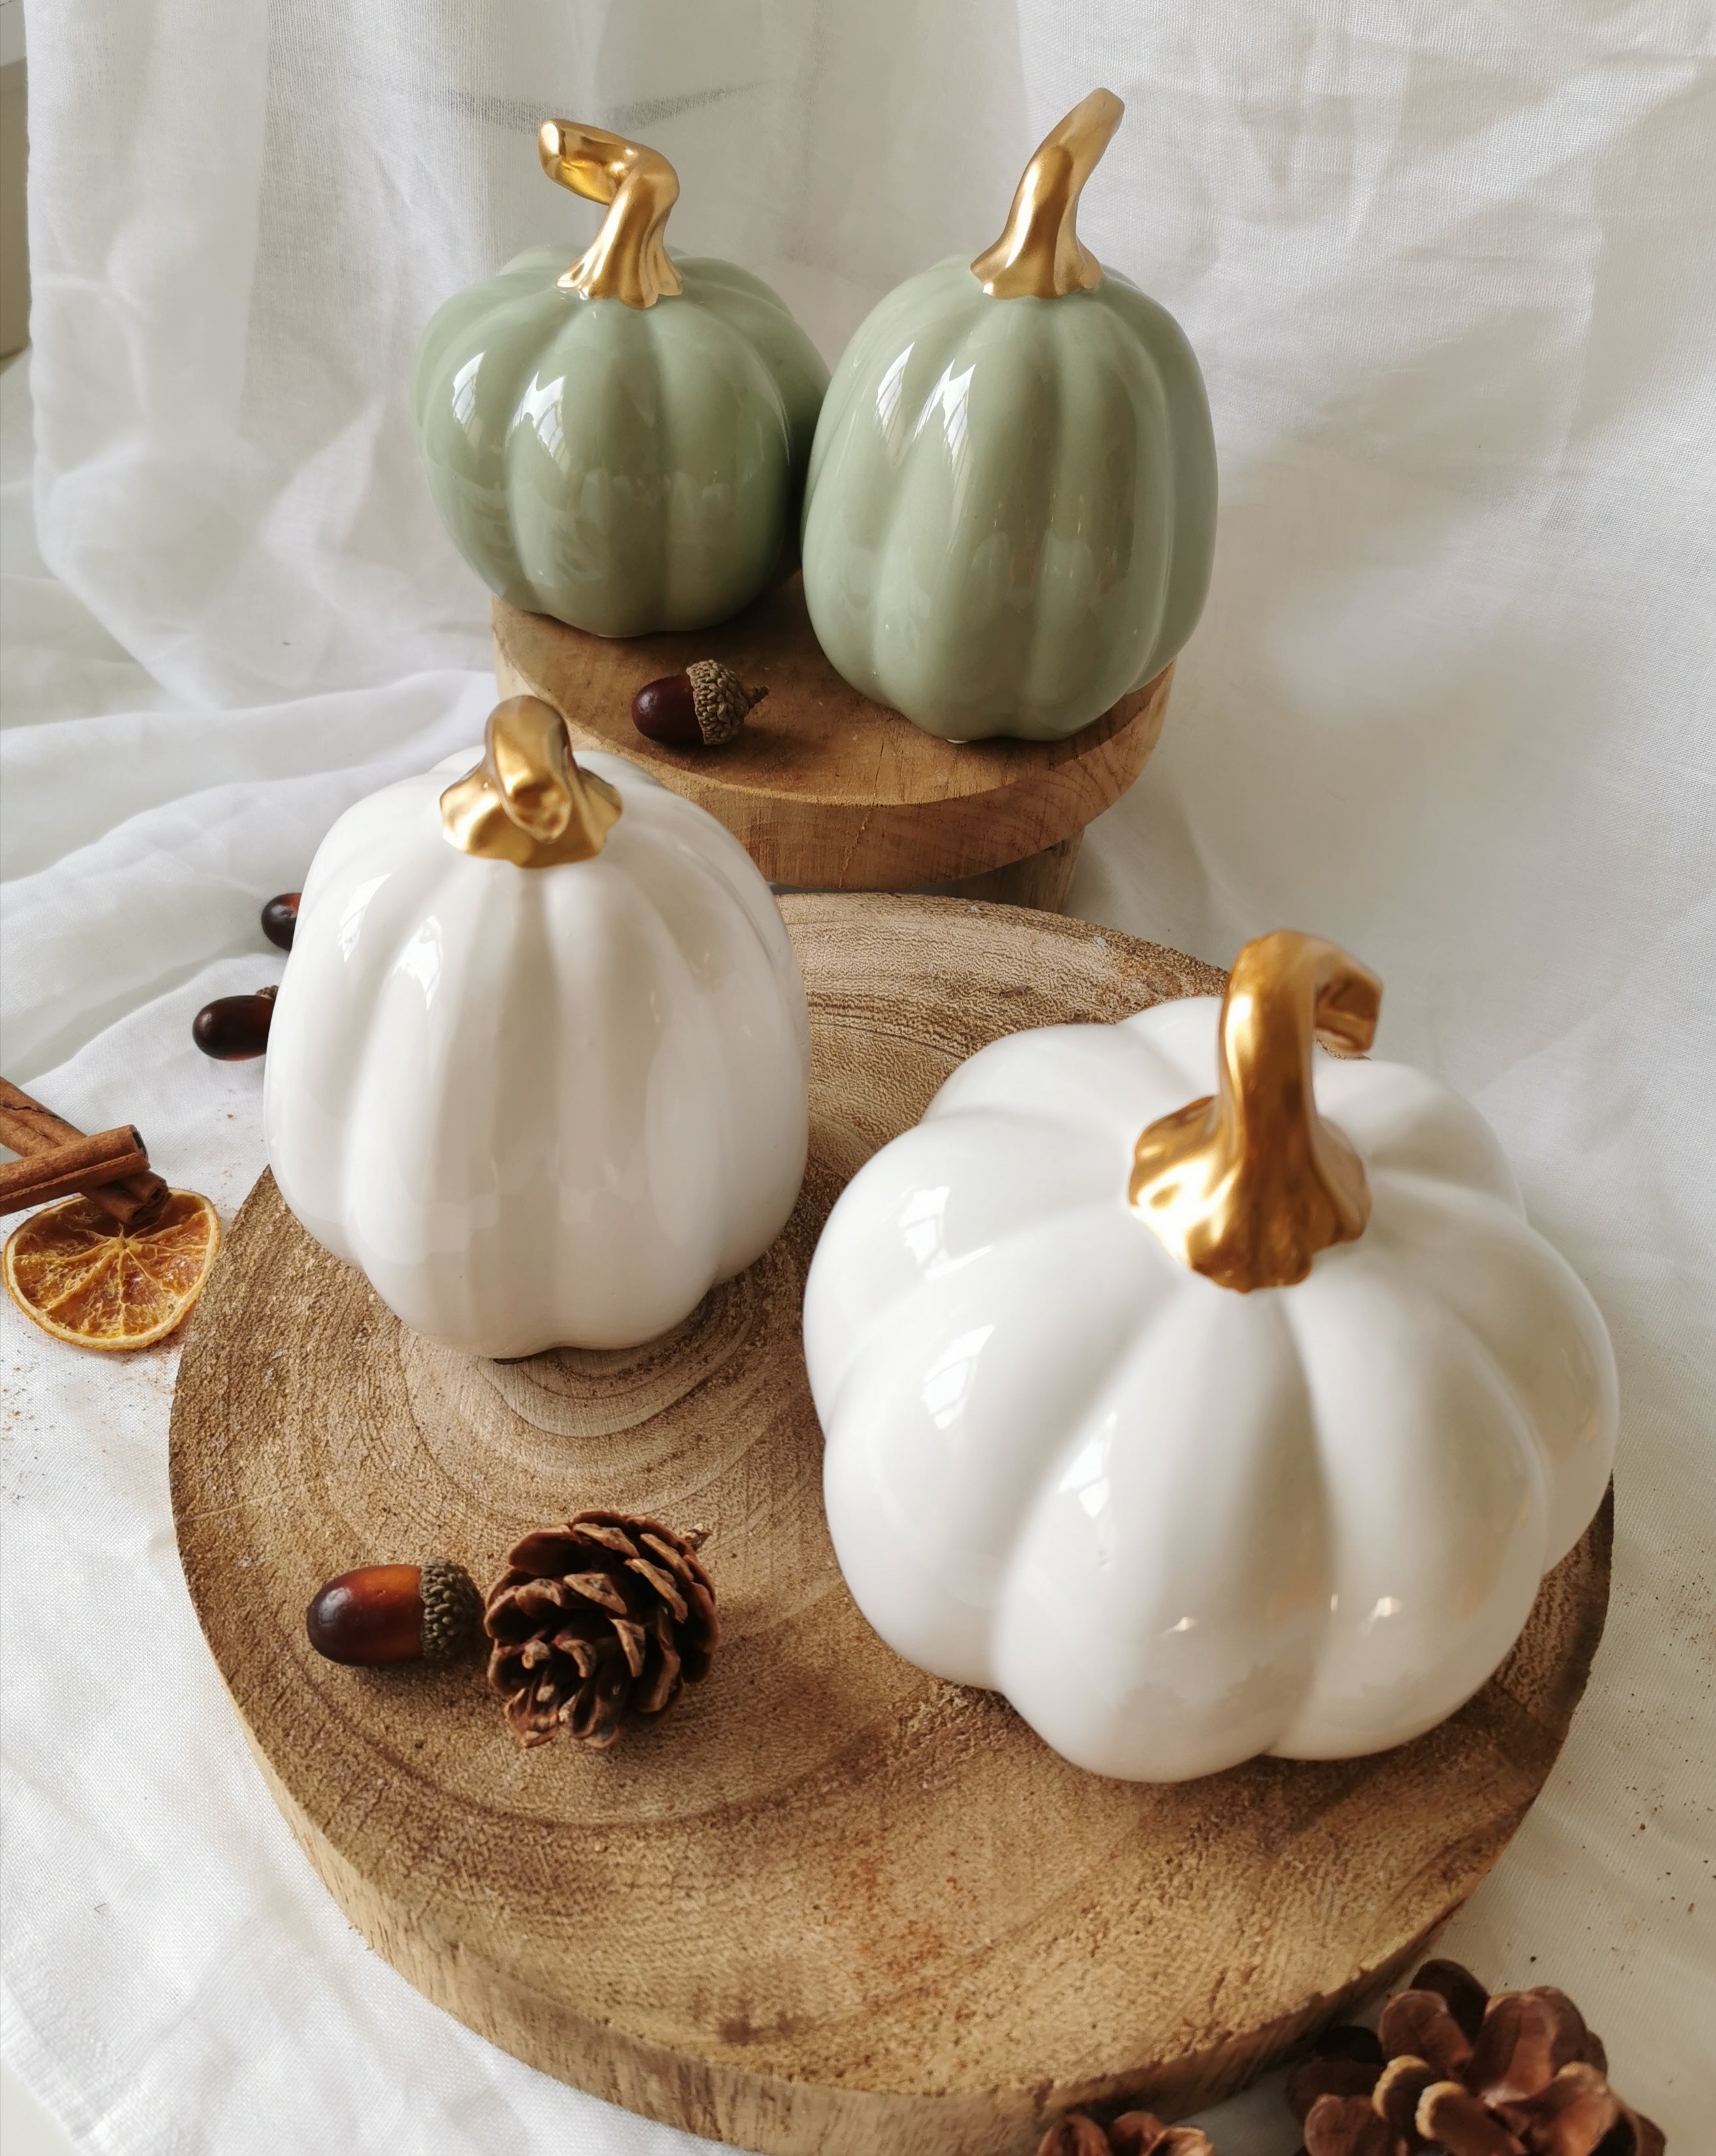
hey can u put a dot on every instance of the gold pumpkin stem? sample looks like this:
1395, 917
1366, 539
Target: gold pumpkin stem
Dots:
527, 801
628, 258
1247, 1186
1040, 256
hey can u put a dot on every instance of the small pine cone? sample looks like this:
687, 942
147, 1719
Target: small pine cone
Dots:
720, 699
596, 1623
1350, 2126
1135, 2133
1452, 2068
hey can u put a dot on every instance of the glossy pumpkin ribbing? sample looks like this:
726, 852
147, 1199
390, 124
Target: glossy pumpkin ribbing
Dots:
1178, 1525
538, 1106
1010, 515
624, 469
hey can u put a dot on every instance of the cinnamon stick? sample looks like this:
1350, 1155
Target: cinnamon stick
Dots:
131, 1196
79, 1164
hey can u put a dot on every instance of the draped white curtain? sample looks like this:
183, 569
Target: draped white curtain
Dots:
1450, 275
244, 215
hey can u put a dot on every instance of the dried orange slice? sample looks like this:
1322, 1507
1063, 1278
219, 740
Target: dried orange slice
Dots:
85, 1279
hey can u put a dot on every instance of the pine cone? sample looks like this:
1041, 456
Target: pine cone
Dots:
1136, 2133
596, 1623
1450, 2067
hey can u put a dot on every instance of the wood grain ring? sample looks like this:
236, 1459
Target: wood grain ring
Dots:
827, 790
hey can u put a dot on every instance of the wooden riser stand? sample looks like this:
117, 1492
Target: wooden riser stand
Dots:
827, 791
829, 1906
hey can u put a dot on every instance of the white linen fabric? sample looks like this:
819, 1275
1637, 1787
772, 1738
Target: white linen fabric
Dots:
1450, 276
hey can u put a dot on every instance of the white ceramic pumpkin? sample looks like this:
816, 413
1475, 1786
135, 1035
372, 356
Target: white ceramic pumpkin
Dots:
540, 1061
1254, 1434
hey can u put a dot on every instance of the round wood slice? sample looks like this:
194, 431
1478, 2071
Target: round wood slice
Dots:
828, 1905
827, 790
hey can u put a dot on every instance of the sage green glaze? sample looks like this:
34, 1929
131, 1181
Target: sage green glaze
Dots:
624, 469
1011, 507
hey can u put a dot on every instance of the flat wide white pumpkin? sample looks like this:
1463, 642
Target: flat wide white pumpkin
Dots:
1176, 1524
539, 1106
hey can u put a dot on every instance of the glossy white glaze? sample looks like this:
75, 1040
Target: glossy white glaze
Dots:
1176, 1525
539, 1107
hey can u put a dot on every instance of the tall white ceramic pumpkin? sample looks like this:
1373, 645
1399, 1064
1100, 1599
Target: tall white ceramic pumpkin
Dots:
1257, 1433
539, 1064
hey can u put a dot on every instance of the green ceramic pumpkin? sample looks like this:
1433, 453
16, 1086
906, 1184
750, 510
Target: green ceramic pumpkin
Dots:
1010, 511
622, 444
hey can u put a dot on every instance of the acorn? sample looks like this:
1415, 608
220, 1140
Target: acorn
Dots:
280, 917
234, 1028
704, 707
395, 1613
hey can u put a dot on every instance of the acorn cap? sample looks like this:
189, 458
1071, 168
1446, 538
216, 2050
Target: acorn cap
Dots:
720, 699
452, 1609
